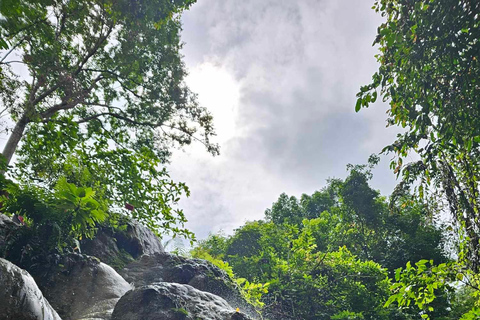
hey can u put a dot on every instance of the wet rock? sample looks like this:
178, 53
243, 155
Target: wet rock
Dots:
118, 247
200, 274
173, 301
82, 287
20, 297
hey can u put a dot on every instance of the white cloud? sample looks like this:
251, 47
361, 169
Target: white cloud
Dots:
217, 89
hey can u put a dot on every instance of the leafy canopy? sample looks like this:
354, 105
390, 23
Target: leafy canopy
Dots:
328, 255
429, 73
96, 89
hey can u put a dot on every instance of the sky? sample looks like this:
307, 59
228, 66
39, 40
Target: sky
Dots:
280, 78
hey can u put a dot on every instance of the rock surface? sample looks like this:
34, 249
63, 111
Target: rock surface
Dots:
117, 248
200, 274
173, 301
20, 297
81, 287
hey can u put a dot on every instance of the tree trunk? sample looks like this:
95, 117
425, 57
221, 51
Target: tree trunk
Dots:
15, 138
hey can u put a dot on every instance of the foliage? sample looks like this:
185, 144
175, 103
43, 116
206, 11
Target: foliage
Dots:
136, 180
360, 219
104, 100
80, 204
334, 263
292, 210
309, 284
54, 221
121, 78
465, 304
320, 285
422, 284
202, 254
74, 210
252, 292
429, 71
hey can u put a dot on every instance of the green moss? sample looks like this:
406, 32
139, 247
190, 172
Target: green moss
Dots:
181, 313
121, 260
180, 310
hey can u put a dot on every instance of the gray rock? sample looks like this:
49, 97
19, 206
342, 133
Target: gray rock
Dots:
173, 301
20, 297
200, 274
81, 287
138, 240
118, 247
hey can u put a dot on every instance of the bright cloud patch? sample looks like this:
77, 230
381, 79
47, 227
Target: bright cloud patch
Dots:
220, 93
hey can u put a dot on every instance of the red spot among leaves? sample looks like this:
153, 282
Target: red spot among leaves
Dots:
128, 206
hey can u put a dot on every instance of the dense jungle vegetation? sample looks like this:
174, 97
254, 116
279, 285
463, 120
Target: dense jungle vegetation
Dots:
105, 101
335, 253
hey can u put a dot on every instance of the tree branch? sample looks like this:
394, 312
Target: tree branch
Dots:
118, 76
140, 123
118, 116
94, 50
13, 48
65, 105
90, 53
13, 61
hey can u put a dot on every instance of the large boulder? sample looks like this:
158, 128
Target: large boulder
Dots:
200, 274
173, 301
20, 297
117, 247
82, 287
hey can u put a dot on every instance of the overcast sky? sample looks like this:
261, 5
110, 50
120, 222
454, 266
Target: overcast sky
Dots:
280, 78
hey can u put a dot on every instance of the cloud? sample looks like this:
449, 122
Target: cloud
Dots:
293, 68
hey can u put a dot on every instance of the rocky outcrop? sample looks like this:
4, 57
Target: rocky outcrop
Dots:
200, 274
82, 287
20, 297
173, 301
118, 247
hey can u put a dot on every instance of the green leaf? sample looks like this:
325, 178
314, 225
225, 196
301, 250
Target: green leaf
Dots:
358, 106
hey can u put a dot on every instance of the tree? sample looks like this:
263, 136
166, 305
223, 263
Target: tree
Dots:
429, 72
106, 67
285, 209
104, 99
289, 209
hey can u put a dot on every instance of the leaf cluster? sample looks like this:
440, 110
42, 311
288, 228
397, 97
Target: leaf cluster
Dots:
428, 73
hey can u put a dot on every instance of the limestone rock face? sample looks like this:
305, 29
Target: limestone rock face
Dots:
120, 247
81, 287
173, 301
20, 297
200, 274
